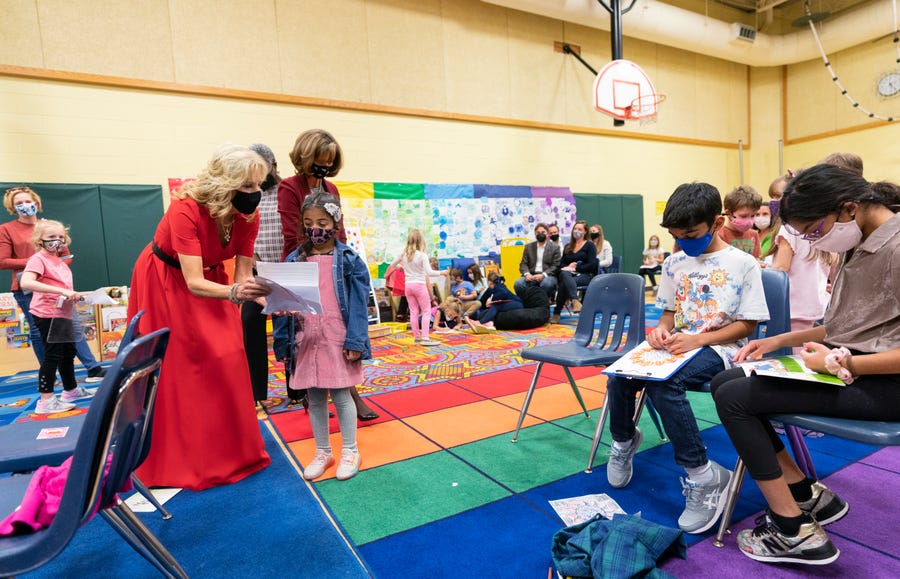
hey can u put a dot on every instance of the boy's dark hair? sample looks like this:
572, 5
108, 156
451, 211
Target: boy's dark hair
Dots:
691, 204
456, 272
742, 196
849, 161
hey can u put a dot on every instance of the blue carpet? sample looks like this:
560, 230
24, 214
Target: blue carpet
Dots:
268, 525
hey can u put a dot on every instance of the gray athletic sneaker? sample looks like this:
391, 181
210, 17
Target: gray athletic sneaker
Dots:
824, 506
704, 502
619, 470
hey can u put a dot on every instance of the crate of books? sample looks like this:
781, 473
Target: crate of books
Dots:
111, 321
12, 322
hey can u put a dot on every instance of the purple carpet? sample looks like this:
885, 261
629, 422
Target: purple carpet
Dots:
867, 537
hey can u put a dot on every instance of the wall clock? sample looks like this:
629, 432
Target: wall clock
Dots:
889, 84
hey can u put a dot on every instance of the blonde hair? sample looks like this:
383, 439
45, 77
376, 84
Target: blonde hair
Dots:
452, 304
599, 242
13, 191
312, 144
849, 161
415, 241
230, 168
43, 225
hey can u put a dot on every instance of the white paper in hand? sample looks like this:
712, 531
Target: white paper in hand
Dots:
99, 297
294, 285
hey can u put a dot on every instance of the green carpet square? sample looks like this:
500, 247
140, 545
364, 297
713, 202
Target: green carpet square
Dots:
544, 453
400, 496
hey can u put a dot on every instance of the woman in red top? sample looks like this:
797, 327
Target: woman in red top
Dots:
315, 155
205, 431
16, 248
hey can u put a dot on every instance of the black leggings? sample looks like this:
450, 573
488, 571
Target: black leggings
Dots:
651, 273
743, 403
57, 356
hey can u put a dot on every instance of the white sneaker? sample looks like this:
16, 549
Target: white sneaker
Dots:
79, 393
350, 461
428, 342
52, 405
619, 468
316, 468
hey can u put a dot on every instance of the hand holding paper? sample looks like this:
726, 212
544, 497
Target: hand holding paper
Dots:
295, 287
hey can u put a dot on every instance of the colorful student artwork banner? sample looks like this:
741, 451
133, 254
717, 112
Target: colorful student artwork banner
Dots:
457, 220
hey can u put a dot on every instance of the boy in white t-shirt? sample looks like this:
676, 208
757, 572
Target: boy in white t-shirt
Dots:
712, 297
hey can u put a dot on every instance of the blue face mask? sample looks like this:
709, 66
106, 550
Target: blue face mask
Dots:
26, 209
696, 246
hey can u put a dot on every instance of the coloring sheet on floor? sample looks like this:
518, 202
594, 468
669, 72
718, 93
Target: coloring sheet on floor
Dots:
579, 509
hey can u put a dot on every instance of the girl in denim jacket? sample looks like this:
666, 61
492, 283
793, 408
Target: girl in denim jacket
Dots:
328, 349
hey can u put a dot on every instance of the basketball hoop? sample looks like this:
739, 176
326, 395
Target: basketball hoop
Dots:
623, 91
644, 108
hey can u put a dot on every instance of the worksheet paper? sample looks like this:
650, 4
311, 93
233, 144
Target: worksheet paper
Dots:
295, 286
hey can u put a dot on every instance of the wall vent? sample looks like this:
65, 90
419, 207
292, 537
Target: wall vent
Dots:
742, 33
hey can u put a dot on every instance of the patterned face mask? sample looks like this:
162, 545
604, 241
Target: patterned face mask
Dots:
319, 235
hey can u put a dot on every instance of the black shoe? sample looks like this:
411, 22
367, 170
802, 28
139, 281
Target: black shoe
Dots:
95, 374
768, 543
366, 416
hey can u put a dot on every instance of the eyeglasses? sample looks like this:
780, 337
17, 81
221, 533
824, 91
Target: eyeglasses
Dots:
815, 233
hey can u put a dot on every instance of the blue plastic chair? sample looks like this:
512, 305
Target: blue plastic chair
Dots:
110, 440
463, 264
616, 264
776, 287
23, 451
618, 299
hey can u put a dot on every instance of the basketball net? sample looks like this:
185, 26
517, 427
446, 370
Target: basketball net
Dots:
645, 108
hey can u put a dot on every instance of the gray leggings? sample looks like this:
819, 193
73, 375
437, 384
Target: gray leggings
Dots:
346, 413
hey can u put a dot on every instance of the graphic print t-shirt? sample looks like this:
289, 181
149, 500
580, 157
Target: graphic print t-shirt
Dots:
711, 291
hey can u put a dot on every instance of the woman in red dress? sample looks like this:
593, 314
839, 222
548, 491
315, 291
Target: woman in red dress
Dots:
205, 431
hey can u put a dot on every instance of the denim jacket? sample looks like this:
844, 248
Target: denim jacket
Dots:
351, 286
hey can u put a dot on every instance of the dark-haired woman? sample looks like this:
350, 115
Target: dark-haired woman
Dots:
577, 267
859, 342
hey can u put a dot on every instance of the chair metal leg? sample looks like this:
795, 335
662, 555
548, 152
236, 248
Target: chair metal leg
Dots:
598, 433
116, 522
801, 451
643, 400
734, 491
654, 416
576, 391
149, 540
528, 395
145, 492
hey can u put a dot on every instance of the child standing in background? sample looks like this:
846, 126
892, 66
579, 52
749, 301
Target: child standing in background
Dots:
330, 347
50, 278
417, 267
741, 206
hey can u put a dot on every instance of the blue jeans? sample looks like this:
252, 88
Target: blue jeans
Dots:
486, 315
24, 301
82, 350
671, 402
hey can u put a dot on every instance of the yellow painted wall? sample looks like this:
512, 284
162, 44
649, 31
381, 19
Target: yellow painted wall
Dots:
459, 56
443, 58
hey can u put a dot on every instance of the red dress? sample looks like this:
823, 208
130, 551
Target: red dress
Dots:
205, 430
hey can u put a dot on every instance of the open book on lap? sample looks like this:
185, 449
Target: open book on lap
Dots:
790, 367
646, 363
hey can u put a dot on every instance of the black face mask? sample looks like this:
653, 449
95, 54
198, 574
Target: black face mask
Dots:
319, 171
595, 236
246, 202
554, 237
541, 237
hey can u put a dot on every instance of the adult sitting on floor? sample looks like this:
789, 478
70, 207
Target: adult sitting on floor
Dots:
534, 313
540, 263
